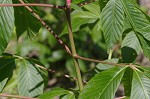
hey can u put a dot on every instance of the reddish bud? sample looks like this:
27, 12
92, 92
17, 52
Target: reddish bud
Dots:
68, 2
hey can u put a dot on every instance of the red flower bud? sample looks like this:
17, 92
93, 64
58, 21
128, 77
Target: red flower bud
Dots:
68, 2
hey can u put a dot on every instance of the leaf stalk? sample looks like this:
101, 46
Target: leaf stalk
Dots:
73, 49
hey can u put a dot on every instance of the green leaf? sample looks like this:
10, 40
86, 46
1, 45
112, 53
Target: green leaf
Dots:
80, 18
6, 70
135, 16
30, 81
25, 20
43, 72
145, 44
127, 26
93, 8
76, 7
102, 4
112, 18
6, 24
130, 47
127, 81
103, 85
96, 32
54, 92
145, 31
140, 86
69, 96
106, 66
77, 1
131, 41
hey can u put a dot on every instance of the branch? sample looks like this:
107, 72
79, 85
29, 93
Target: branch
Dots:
34, 4
53, 71
72, 43
16, 96
99, 61
48, 28
132, 66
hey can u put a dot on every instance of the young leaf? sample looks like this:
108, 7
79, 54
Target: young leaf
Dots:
136, 18
54, 92
30, 82
99, 86
140, 86
6, 70
6, 24
25, 21
112, 18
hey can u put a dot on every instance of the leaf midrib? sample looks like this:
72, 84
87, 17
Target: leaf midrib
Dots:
128, 14
142, 85
28, 77
111, 80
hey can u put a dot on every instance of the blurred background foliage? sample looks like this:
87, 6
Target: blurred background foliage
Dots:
89, 42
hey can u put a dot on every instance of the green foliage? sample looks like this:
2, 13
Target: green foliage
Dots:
145, 44
136, 18
102, 4
130, 47
112, 18
140, 86
30, 81
57, 92
101, 66
98, 27
7, 65
80, 18
28, 23
127, 81
99, 86
6, 24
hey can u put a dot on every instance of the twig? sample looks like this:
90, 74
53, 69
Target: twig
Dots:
99, 61
35, 4
53, 71
16, 96
133, 67
48, 28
